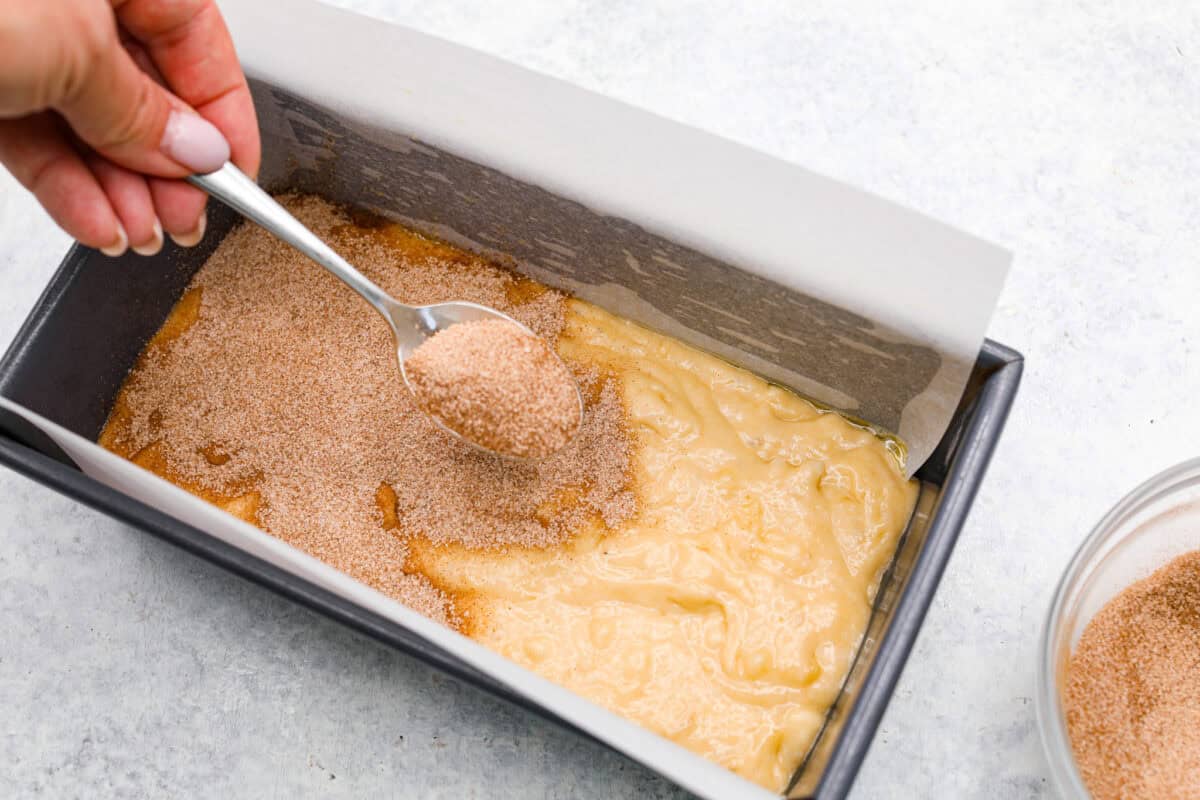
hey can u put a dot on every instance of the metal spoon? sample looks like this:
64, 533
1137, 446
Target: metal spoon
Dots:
411, 325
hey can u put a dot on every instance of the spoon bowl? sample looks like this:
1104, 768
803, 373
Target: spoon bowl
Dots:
412, 331
411, 325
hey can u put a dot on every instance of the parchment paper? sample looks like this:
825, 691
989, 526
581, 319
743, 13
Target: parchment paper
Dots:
855, 302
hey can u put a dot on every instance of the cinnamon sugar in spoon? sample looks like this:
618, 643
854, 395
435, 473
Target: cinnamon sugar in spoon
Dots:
478, 373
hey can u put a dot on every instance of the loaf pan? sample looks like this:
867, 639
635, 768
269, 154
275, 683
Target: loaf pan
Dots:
70, 357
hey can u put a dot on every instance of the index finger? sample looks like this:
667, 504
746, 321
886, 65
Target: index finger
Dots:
189, 44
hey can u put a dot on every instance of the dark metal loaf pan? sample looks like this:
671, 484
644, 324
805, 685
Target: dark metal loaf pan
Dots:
84, 334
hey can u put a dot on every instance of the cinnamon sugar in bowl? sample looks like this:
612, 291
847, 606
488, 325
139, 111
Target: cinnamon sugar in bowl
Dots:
1106, 647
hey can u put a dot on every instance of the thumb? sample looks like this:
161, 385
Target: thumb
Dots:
120, 111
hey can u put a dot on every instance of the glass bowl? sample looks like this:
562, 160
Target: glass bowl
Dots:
1154, 523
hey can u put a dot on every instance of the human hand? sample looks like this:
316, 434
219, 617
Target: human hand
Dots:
106, 104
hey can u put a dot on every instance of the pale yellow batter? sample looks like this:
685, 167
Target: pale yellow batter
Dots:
726, 616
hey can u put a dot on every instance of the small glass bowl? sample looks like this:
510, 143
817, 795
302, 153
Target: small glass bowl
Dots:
1153, 524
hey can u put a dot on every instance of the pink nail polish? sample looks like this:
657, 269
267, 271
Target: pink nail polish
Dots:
194, 142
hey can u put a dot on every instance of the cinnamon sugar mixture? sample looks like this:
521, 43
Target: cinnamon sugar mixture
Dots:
1133, 689
283, 396
497, 386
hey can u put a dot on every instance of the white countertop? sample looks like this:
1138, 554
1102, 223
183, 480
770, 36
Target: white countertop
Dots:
1067, 132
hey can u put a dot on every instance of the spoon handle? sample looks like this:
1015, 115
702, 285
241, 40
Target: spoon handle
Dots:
235, 189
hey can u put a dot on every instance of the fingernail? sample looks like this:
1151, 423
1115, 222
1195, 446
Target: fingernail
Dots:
119, 246
194, 142
154, 245
193, 238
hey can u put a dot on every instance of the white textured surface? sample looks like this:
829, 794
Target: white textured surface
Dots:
1067, 132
